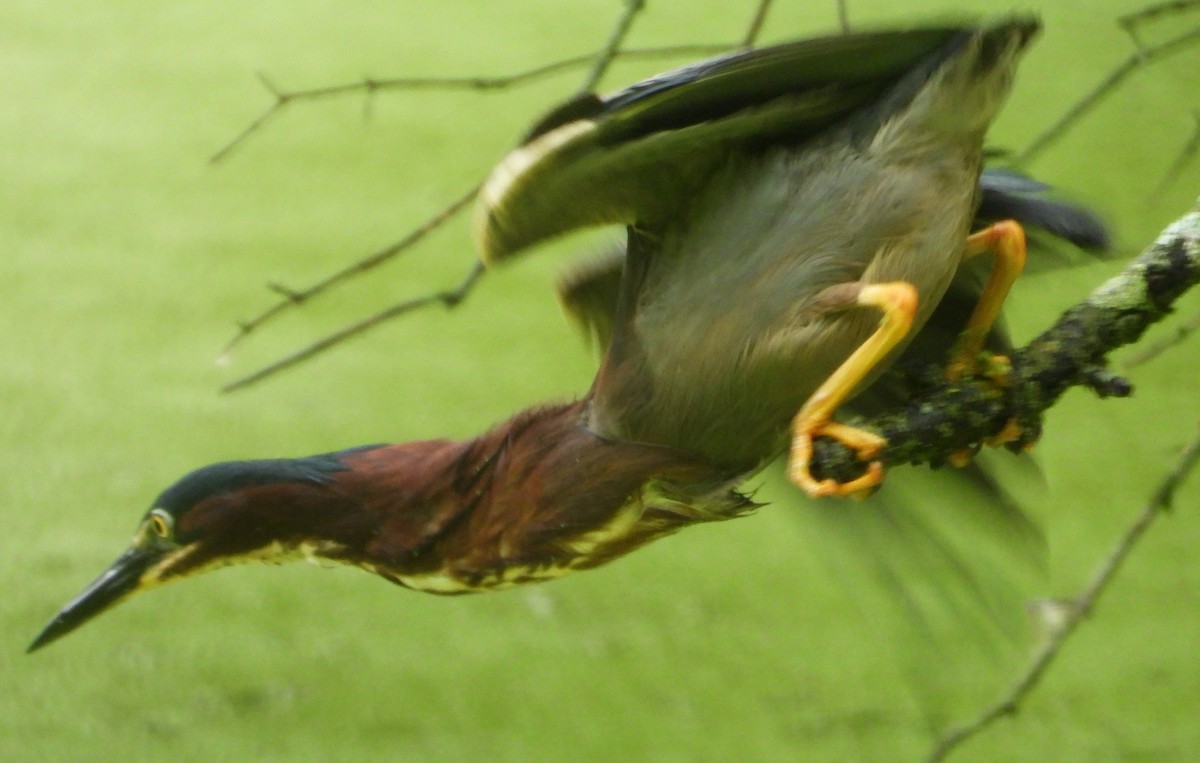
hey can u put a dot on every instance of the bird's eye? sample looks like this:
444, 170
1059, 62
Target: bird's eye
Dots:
162, 524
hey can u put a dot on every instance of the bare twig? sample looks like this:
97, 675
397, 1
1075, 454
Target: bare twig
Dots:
1131, 22
1142, 56
1182, 332
448, 298
1186, 154
756, 23
612, 48
371, 86
282, 98
843, 15
1075, 610
292, 298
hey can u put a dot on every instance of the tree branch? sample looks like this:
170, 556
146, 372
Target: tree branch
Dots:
947, 418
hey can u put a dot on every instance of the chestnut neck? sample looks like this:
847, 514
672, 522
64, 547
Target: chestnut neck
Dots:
536, 496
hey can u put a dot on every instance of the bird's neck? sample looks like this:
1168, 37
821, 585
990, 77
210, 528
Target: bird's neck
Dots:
535, 497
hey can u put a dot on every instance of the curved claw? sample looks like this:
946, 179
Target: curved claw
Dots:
897, 301
865, 444
989, 365
1011, 432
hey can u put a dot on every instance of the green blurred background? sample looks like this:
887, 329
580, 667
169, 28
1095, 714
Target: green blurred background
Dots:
127, 258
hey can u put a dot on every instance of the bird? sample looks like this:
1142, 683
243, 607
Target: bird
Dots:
796, 218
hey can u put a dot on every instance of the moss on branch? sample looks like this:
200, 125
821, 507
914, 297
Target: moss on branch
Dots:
949, 417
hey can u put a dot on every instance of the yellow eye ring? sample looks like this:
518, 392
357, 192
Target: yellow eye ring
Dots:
162, 524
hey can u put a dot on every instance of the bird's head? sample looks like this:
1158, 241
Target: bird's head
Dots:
222, 514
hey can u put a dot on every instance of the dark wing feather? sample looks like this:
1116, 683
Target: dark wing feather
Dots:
632, 157
1006, 195
724, 86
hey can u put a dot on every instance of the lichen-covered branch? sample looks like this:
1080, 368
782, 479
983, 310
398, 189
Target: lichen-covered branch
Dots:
949, 417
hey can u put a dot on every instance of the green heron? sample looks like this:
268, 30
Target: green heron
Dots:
777, 202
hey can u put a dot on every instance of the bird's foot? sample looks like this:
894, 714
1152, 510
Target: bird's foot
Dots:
1012, 431
865, 444
998, 370
1011, 434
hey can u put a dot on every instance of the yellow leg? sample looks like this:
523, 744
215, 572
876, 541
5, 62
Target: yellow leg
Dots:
1006, 241
898, 303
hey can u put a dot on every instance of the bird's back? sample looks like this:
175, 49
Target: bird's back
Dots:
722, 335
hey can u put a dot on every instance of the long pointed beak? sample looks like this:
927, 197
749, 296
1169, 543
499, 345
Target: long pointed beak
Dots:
118, 581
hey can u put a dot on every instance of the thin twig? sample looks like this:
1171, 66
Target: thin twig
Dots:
756, 24
1152, 351
1130, 22
1142, 56
843, 16
1076, 610
447, 298
612, 48
1186, 154
292, 298
282, 98
371, 86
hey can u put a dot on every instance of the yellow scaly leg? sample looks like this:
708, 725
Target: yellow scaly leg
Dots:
1006, 241
898, 303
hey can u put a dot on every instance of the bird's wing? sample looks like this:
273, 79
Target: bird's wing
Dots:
589, 293
1009, 195
633, 156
